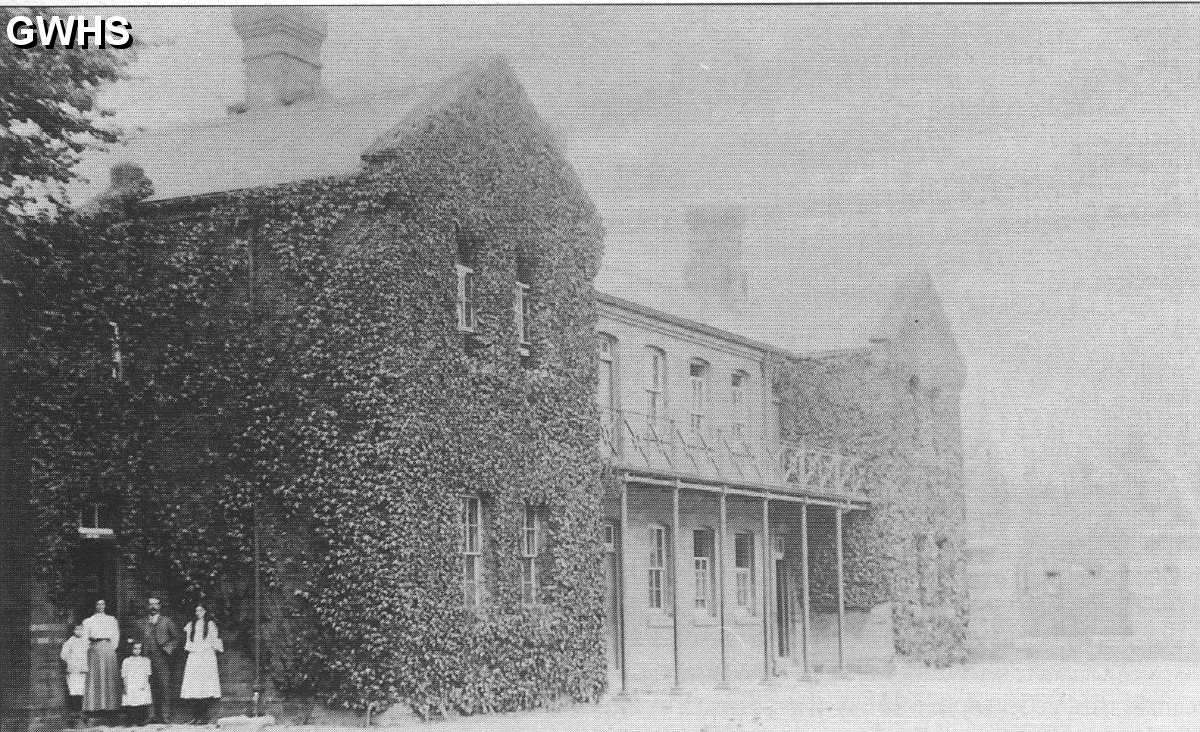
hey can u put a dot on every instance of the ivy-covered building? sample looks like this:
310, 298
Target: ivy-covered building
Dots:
355, 344
781, 512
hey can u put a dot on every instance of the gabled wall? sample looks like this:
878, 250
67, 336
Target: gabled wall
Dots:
299, 344
908, 547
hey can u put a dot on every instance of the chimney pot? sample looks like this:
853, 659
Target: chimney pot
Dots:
281, 47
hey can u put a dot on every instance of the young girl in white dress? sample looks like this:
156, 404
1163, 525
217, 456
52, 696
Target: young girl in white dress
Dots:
75, 655
135, 673
201, 681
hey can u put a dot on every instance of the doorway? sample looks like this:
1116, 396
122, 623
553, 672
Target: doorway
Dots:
95, 564
783, 600
612, 596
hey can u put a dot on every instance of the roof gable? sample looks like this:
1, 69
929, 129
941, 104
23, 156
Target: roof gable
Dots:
314, 138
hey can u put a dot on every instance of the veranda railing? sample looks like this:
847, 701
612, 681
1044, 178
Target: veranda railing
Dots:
637, 441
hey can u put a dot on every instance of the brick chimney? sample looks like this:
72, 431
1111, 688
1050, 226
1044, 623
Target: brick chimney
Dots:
282, 51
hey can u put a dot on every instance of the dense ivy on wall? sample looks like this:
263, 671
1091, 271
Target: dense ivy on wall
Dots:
908, 547
293, 352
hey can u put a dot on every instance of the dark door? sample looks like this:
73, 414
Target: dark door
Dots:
96, 572
612, 595
783, 609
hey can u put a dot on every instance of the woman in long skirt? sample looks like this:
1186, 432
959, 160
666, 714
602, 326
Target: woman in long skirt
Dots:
201, 680
102, 693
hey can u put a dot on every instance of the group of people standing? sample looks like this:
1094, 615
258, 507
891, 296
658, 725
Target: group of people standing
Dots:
99, 685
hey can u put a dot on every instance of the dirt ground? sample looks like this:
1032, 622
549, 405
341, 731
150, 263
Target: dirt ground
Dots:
1052, 695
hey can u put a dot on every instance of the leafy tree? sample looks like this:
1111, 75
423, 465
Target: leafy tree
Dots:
48, 113
48, 268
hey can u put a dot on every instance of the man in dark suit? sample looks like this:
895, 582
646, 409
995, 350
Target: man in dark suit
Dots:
160, 639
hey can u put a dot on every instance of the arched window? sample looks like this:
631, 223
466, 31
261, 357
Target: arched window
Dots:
656, 383
739, 401
606, 391
699, 372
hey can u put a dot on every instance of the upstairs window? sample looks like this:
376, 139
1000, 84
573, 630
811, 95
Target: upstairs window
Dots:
533, 528
743, 571
606, 347
469, 542
659, 551
738, 383
522, 312
656, 384
703, 559
466, 298
522, 302
610, 537
468, 317
698, 370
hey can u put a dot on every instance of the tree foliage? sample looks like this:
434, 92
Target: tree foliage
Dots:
53, 274
48, 113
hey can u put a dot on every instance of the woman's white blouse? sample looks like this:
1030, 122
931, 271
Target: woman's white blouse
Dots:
100, 627
201, 643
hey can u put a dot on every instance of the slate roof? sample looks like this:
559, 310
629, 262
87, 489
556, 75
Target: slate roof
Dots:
314, 138
327, 135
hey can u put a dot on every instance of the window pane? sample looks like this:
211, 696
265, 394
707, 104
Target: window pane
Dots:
528, 581
471, 580
743, 551
657, 369
604, 394
523, 307
702, 589
657, 548
658, 553
465, 298
744, 580
529, 532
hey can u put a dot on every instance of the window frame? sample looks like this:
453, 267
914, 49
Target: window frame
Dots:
606, 353
660, 552
523, 313
470, 546
466, 298
656, 387
745, 581
704, 568
698, 405
608, 534
531, 549
739, 403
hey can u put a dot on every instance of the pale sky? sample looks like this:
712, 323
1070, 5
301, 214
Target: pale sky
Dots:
1040, 161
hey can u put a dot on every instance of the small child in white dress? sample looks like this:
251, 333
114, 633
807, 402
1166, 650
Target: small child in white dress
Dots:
135, 672
75, 655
